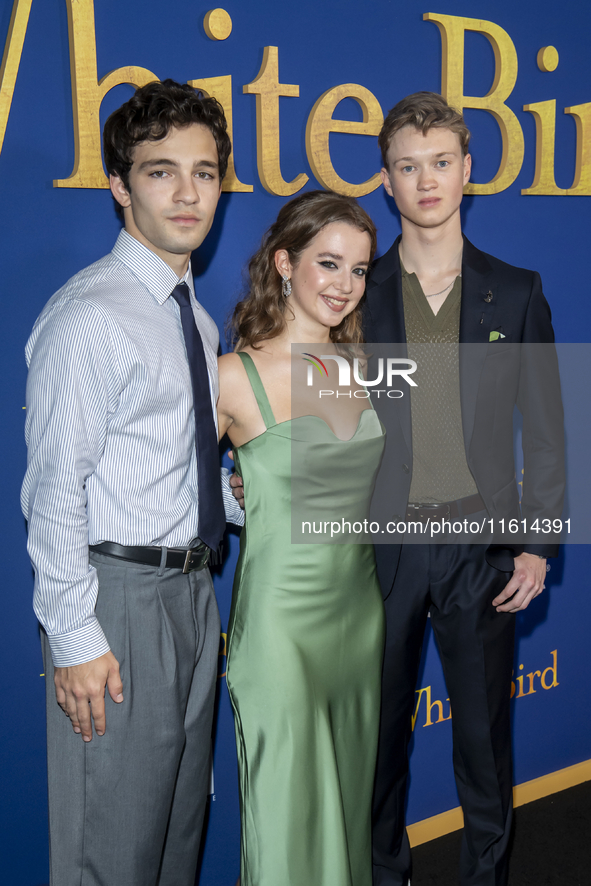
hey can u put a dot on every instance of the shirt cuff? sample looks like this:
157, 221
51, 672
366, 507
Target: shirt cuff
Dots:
79, 646
542, 550
234, 513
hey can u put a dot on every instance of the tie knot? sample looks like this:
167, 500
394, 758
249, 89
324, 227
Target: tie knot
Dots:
181, 294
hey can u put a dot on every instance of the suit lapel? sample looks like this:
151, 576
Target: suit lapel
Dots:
479, 301
384, 299
386, 319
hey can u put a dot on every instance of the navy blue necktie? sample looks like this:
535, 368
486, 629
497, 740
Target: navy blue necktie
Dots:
212, 519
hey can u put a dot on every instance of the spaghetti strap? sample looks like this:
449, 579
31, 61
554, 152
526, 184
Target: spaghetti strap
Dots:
258, 389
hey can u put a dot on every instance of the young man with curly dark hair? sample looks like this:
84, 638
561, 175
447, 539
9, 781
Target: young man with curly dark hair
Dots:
124, 504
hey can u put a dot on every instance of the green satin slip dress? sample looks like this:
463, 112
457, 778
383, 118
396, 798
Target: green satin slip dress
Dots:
305, 644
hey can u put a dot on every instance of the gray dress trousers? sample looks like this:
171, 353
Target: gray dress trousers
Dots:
126, 809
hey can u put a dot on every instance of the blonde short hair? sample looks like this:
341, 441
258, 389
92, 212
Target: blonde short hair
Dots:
423, 110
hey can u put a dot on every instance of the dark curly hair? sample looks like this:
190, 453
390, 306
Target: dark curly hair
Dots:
150, 114
261, 314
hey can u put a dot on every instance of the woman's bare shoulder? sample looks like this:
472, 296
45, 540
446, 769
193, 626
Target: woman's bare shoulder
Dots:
230, 365
234, 382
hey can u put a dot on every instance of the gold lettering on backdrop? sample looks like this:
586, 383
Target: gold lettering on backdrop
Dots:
518, 680
11, 59
268, 89
548, 679
545, 116
217, 24
547, 58
531, 677
321, 123
429, 705
452, 29
551, 669
221, 88
581, 185
223, 651
87, 95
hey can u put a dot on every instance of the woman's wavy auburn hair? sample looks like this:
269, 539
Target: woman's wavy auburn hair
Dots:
261, 315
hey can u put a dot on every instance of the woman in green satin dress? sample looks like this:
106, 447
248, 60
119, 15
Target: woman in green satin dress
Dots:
306, 630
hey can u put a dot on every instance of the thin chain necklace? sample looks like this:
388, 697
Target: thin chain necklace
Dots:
435, 294
449, 286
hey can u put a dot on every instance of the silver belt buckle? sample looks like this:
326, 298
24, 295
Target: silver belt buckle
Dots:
201, 560
187, 563
430, 506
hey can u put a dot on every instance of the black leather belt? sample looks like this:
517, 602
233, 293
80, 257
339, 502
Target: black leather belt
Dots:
449, 510
176, 558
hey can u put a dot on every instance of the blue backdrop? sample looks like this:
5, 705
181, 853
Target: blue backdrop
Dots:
50, 232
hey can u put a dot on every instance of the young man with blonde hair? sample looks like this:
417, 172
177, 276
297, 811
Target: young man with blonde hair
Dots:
433, 288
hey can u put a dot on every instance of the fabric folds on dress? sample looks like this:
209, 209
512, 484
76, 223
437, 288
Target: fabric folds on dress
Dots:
305, 644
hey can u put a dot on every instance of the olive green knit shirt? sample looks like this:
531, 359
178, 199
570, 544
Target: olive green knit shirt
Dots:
440, 470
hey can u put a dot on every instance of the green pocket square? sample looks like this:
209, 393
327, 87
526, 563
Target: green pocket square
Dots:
495, 336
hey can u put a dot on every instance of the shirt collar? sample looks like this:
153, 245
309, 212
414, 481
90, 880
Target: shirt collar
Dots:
403, 271
158, 278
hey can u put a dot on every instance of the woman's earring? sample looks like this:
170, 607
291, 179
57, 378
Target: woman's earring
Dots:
286, 286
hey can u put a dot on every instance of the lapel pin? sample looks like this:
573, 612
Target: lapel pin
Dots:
489, 296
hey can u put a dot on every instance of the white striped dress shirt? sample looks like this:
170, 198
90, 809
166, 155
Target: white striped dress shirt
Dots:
110, 433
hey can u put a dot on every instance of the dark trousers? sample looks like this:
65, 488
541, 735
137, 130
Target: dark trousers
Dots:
127, 808
456, 585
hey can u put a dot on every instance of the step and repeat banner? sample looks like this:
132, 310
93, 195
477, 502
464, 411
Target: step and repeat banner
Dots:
305, 88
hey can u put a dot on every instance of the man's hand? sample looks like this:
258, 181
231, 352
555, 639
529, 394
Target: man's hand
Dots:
237, 489
526, 583
80, 692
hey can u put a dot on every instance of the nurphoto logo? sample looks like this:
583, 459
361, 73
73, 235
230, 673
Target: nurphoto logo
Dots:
389, 369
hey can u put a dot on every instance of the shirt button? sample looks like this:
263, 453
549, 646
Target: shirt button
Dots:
406, 469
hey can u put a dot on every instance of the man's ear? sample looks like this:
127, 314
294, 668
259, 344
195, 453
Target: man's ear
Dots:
119, 191
385, 176
282, 263
467, 168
